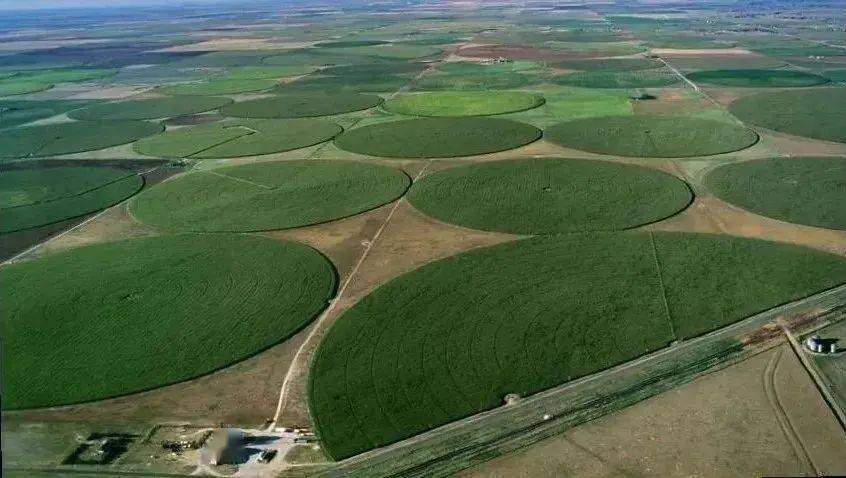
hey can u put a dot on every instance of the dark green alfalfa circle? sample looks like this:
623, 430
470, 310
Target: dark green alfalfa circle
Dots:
151, 108
39, 196
453, 337
269, 195
301, 105
438, 137
619, 79
72, 137
550, 196
652, 136
815, 113
757, 78
120, 317
238, 137
463, 103
219, 86
810, 191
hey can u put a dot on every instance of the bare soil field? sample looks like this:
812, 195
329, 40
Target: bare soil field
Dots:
762, 416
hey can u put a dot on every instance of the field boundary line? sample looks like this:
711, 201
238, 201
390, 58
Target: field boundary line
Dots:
783, 420
661, 283
830, 400
335, 301
680, 75
68, 231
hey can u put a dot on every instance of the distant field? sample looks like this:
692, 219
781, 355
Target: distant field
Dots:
18, 112
437, 137
238, 137
652, 136
619, 79
300, 105
263, 196
815, 113
610, 64
318, 84
809, 191
548, 196
757, 78
466, 103
38, 196
452, 338
219, 87
73, 137
13, 87
473, 81
166, 309
152, 108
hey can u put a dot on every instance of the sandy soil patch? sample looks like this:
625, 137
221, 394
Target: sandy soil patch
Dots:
762, 416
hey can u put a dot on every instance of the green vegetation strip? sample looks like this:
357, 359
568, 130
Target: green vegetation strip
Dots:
219, 87
150, 108
265, 196
121, 317
463, 103
438, 137
652, 136
815, 113
72, 137
609, 64
15, 87
240, 137
619, 79
35, 197
318, 84
375, 69
454, 337
809, 191
548, 196
302, 105
756, 78
349, 43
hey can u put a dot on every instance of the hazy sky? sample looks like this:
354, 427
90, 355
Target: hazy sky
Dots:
34, 4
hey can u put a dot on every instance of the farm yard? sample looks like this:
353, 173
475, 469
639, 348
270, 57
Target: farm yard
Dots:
423, 240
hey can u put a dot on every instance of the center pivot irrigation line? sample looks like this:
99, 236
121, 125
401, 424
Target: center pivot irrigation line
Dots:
63, 233
283, 391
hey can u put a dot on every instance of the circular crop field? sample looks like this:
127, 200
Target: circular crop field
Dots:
548, 196
456, 336
610, 64
619, 79
264, 196
150, 108
809, 191
375, 69
344, 84
463, 103
35, 197
757, 78
438, 137
72, 137
302, 105
21, 87
236, 138
652, 136
219, 87
121, 317
815, 113
350, 43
